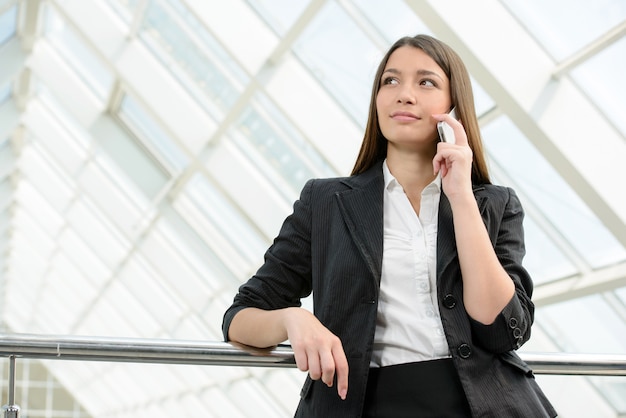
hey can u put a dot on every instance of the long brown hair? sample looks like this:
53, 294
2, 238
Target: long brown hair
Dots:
374, 146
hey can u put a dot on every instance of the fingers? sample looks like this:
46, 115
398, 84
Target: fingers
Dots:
325, 363
459, 133
317, 350
341, 368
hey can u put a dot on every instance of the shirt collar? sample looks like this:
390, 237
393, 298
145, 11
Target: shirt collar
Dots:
391, 182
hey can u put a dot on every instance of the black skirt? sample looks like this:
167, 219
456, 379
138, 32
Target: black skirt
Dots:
424, 389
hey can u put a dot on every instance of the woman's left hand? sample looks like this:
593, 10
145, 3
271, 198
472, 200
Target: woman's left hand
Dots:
454, 161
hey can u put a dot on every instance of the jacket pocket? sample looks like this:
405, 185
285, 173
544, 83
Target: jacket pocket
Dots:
514, 360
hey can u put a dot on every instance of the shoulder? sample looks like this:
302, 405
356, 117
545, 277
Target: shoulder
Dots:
331, 185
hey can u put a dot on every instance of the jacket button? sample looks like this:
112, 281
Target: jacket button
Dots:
513, 322
465, 350
517, 333
449, 301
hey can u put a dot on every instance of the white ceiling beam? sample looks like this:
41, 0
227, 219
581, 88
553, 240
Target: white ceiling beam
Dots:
598, 281
30, 23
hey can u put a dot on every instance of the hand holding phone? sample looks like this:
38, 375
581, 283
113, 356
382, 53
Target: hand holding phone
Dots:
446, 133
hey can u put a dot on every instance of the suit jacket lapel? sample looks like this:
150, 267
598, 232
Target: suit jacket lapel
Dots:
446, 241
362, 209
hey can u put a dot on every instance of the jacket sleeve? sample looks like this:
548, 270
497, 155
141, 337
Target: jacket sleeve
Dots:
285, 277
511, 327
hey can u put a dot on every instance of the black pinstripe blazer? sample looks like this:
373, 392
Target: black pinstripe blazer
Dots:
332, 245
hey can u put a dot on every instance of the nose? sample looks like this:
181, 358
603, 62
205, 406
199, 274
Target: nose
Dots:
406, 94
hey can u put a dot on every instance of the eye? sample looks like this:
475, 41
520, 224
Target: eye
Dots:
390, 80
428, 82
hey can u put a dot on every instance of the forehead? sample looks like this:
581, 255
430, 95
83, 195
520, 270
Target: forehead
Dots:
408, 58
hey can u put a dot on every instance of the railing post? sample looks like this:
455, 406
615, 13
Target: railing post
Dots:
11, 410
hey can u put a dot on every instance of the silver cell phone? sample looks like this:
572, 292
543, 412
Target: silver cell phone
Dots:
446, 134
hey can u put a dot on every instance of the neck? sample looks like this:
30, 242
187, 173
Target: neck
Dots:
412, 171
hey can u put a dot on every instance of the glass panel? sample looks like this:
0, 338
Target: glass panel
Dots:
613, 388
158, 299
341, 57
185, 236
482, 101
8, 23
149, 131
564, 26
225, 217
597, 328
124, 153
161, 247
284, 150
602, 78
89, 67
393, 18
193, 56
589, 325
47, 178
279, 15
5, 92
100, 235
124, 8
112, 201
544, 260
573, 219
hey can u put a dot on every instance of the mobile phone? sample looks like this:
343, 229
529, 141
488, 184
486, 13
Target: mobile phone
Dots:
446, 134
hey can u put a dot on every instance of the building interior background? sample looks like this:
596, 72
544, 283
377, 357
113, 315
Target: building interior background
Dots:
150, 150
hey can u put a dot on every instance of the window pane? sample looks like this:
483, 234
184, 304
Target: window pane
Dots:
602, 78
284, 150
143, 124
565, 26
341, 57
8, 24
193, 55
279, 14
582, 229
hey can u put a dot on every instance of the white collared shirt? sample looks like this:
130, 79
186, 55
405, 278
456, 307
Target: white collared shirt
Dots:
408, 325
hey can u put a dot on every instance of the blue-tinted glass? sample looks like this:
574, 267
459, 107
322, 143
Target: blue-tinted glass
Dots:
392, 18
597, 328
144, 125
264, 129
279, 14
544, 260
5, 92
225, 217
341, 57
482, 101
613, 389
193, 55
572, 218
602, 78
123, 8
565, 26
8, 24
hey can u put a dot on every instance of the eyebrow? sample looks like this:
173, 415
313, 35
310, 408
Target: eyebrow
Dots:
421, 72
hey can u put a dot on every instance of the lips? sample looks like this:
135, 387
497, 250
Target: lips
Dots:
404, 116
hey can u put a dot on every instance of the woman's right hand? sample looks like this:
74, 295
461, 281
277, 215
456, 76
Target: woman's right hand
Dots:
316, 349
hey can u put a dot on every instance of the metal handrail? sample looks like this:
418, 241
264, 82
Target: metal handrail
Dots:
141, 350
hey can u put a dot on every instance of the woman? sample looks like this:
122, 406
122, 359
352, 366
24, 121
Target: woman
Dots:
414, 261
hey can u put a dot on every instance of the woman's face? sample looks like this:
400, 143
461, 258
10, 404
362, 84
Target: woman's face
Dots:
412, 88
